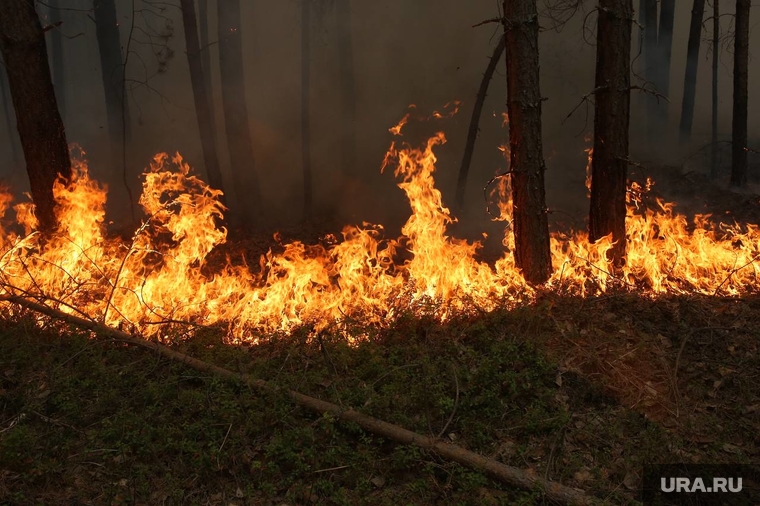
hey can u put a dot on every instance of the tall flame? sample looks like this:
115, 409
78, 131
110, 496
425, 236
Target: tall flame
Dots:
163, 274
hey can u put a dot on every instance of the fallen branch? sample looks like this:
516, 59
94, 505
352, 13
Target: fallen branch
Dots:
507, 474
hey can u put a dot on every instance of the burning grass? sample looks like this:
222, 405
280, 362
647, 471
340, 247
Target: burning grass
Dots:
162, 275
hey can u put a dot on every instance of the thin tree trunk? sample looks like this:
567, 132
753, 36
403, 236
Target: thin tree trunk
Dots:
112, 72
472, 133
611, 118
43, 139
8, 111
651, 72
306, 105
348, 87
692, 62
530, 222
664, 50
56, 50
235, 108
741, 78
200, 95
715, 48
206, 60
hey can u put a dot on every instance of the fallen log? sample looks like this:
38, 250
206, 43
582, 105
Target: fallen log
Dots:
507, 474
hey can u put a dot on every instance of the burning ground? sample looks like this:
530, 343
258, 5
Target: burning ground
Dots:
580, 381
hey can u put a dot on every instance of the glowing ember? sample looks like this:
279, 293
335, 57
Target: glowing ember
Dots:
161, 276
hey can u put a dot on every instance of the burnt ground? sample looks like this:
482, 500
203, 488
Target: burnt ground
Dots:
580, 391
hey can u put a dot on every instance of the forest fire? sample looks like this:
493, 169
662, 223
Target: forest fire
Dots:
161, 277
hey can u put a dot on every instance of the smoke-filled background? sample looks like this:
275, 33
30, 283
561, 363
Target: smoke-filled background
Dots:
424, 52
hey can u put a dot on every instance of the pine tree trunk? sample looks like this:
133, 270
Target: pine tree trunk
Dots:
611, 118
8, 111
739, 167
651, 70
235, 108
692, 62
530, 222
472, 133
348, 87
306, 106
112, 72
664, 50
43, 139
206, 60
715, 61
56, 53
200, 95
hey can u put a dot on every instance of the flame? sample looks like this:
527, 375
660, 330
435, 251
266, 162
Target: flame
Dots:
164, 276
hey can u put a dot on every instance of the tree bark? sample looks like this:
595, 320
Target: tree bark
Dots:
609, 162
739, 167
472, 133
8, 111
306, 106
43, 139
348, 87
235, 108
530, 222
715, 60
200, 95
112, 72
664, 50
692, 62
651, 72
206, 60
56, 53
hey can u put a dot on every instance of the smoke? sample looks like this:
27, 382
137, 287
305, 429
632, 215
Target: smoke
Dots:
424, 52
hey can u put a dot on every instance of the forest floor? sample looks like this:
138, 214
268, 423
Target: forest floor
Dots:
580, 391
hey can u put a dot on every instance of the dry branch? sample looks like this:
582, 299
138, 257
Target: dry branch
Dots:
507, 474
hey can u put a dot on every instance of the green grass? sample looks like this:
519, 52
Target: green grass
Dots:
93, 422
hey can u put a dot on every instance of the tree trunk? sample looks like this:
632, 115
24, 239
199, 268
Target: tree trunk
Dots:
664, 50
692, 62
200, 95
206, 60
348, 87
306, 106
715, 61
8, 111
741, 77
56, 53
609, 162
530, 222
235, 107
472, 133
40, 127
651, 70
112, 72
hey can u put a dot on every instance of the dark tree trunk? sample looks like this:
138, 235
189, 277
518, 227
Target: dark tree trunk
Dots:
40, 127
741, 78
200, 94
306, 105
651, 70
206, 60
56, 53
715, 60
112, 71
472, 133
348, 87
8, 111
664, 50
692, 62
235, 108
530, 222
611, 117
